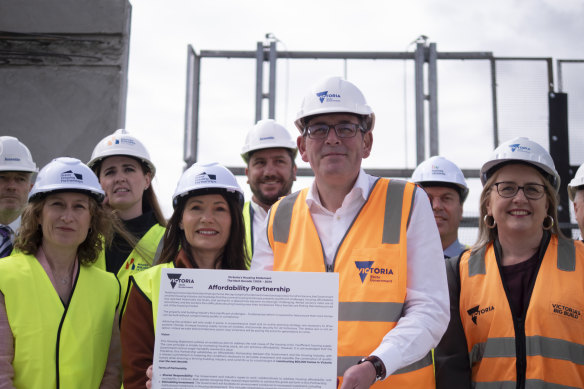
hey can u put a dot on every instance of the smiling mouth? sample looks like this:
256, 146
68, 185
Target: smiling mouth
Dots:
121, 190
207, 232
519, 213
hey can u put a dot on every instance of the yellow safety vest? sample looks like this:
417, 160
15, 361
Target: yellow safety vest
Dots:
151, 243
248, 223
372, 265
553, 337
148, 283
57, 346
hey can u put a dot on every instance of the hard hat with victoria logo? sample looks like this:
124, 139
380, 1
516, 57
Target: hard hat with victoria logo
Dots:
438, 170
523, 150
334, 95
120, 143
576, 182
207, 178
66, 175
15, 156
267, 134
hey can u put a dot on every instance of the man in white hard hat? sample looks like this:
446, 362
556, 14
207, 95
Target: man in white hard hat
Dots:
446, 187
269, 154
576, 194
16, 172
378, 234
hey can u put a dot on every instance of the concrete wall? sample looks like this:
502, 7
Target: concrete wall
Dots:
63, 73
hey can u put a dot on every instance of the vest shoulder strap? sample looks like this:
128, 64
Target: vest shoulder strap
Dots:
283, 217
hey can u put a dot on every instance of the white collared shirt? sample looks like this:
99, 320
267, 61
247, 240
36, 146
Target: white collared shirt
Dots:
259, 220
426, 309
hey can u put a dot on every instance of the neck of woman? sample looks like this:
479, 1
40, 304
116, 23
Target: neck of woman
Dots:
517, 249
60, 258
206, 259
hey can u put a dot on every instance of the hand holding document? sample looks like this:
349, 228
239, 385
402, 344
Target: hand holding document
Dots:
241, 329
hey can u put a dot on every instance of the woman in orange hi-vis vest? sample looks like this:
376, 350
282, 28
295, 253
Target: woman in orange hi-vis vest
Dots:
517, 296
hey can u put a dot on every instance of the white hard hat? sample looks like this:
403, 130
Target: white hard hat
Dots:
576, 182
202, 177
334, 95
15, 156
524, 150
440, 170
267, 134
121, 143
66, 174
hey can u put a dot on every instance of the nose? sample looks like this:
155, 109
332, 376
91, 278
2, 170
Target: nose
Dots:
207, 216
269, 169
520, 195
11, 184
67, 215
332, 137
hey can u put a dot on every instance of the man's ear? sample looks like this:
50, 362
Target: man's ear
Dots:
301, 143
367, 143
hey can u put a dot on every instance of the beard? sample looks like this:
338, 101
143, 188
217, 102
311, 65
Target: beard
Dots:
270, 199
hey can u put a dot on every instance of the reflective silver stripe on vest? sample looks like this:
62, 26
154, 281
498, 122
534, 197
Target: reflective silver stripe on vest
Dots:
158, 252
362, 311
343, 363
283, 218
476, 263
393, 211
531, 384
535, 346
495, 385
566, 258
566, 255
492, 348
424, 362
555, 349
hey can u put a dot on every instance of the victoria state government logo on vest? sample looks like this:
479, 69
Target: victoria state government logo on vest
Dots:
475, 312
175, 279
376, 274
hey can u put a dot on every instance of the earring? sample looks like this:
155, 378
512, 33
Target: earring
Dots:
550, 224
487, 219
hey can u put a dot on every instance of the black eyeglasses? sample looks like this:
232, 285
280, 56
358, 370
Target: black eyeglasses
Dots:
343, 130
510, 189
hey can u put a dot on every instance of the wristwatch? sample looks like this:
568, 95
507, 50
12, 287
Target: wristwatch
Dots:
377, 364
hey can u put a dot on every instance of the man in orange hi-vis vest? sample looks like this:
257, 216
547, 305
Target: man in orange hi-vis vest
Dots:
378, 234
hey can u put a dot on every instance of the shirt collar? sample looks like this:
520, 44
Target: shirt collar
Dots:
15, 225
361, 189
454, 249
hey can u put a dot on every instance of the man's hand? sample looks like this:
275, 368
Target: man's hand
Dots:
359, 376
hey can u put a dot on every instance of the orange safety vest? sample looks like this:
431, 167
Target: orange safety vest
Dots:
554, 322
372, 265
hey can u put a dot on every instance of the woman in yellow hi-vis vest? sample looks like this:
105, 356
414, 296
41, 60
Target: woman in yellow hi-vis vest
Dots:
517, 297
56, 331
125, 172
205, 231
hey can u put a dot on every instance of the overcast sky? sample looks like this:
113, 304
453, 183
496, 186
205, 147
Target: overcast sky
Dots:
161, 32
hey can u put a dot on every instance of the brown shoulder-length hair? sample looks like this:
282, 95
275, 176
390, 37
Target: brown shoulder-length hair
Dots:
234, 256
149, 199
487, 234
30, 237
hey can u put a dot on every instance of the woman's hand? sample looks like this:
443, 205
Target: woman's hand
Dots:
149, 375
